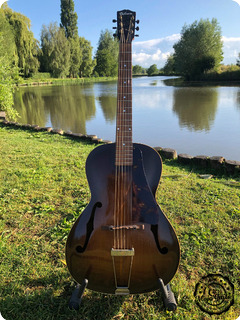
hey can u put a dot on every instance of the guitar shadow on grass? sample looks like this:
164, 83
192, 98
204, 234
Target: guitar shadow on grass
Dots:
44, 299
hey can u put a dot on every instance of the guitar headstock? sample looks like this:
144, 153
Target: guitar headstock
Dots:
125, 30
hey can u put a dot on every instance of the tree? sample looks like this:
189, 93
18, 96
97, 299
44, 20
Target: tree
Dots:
87, 64
26, 44
69, 18
169, 67
8, 67
238, 60
69, 24
137, 69
152, 70
75, 56
107, 55
55, 57
199, 49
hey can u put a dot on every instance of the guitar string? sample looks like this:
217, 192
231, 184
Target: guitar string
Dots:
124, 111
125, 131
131, 145
129, 129
123, 176
117, 178
121, 162
119, 154
121, 191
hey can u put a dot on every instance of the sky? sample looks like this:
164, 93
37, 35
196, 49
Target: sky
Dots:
161, 22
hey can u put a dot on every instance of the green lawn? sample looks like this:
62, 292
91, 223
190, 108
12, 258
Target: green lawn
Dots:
44, 189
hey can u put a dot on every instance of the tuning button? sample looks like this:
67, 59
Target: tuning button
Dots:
114, 21
114, 27
115, 35
137, 28
136, 35
137, 21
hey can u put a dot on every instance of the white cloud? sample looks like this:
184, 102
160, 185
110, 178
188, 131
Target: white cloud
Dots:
230, 39
156, 51
231, 49
154, 42
2, 1
238, 1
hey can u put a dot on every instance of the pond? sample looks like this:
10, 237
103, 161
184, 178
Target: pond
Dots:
203, 120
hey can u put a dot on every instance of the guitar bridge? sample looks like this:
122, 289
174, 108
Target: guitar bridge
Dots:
124, 227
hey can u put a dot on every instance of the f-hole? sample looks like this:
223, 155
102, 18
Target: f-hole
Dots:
154, 229
90, 228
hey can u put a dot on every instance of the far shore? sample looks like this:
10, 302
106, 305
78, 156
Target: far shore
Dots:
226, 78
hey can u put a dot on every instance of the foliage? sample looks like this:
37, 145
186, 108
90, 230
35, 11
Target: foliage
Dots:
76, 56
169, 67
69, 24
69, 18
55, 57
8, 67
107, 55
199, 49
26, 44
137, 69
152, 70
88, 64
238, 60
223, 73
44, 189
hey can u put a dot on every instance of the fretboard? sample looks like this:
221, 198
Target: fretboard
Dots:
124, 146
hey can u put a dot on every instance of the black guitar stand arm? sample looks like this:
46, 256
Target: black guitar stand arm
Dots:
168, 296
77, 294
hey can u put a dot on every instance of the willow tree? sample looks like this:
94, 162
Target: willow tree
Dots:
199, 48
55, 57
8, 67
26, 44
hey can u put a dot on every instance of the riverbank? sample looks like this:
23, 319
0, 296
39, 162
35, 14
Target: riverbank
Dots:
44, 189
60, 82
224, 76
227, 77
214, 164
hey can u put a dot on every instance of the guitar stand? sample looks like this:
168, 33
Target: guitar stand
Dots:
77, 294
168, 296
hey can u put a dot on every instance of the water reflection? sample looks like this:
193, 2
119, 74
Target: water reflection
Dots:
65, 107
31, 106
194, 120
196, 108
106, 95
238, 99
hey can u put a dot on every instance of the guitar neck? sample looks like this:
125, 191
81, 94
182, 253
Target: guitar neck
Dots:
124, 145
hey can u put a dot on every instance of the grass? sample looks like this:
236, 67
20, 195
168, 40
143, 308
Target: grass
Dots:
44, 189
35, 81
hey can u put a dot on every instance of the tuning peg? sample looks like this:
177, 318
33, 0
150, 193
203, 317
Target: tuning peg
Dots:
137, 28
115, 35
137, 21
136, 35
114, 21
114, 27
